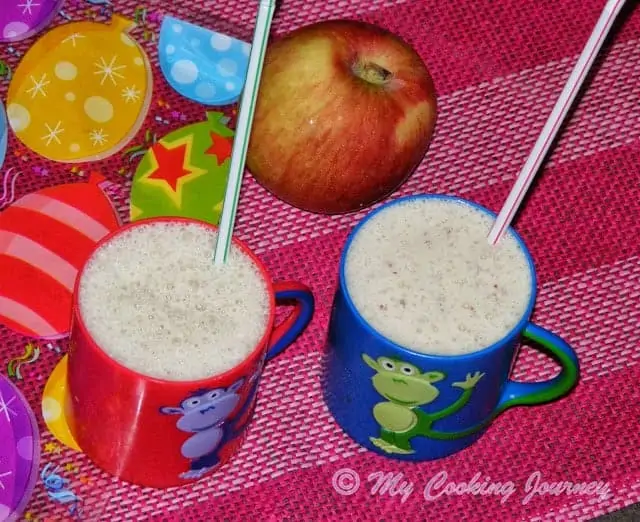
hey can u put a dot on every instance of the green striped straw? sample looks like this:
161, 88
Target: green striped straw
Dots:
243, 130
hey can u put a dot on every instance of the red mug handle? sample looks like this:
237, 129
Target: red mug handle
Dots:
300, 296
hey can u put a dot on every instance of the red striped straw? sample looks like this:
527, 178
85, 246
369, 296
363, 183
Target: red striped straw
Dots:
559, 113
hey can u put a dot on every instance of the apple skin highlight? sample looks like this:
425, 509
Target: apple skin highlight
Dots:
345, 113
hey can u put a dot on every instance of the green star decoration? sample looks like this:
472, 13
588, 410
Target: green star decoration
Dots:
201, 196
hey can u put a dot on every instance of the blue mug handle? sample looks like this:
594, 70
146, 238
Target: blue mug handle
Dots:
528, 394
289, 292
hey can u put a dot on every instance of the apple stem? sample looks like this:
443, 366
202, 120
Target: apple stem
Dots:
372, 73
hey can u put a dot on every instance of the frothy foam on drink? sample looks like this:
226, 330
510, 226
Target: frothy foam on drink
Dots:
423, 274
155, 302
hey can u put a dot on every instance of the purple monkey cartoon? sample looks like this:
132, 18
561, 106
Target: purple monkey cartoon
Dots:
204, 414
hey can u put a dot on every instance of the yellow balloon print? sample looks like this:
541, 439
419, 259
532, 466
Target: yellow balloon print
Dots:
81, 92
53, 405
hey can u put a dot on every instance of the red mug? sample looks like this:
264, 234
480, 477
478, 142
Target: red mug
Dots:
159, 433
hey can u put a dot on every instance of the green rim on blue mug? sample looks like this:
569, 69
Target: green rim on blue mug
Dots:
415, 406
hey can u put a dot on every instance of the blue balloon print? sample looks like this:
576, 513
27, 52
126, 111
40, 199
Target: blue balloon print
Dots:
4, 134
202, 65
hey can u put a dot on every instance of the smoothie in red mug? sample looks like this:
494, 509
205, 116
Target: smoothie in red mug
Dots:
167, 350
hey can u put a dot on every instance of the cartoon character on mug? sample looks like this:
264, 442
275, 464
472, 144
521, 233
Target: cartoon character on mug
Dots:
206, 414
405, 388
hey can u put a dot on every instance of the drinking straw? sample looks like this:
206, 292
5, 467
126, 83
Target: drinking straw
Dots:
243, 129
568, 95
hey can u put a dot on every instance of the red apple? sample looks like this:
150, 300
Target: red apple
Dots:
345, 113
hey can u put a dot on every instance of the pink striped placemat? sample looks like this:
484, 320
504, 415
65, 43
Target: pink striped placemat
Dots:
498, 67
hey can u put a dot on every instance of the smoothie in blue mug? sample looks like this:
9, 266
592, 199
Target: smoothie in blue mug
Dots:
425, 329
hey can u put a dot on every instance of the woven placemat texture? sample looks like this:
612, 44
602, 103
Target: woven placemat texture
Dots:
499, 66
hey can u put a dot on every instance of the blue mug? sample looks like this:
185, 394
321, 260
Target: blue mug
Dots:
413, 406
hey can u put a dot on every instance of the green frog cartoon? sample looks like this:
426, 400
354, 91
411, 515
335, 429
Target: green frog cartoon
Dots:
405, 389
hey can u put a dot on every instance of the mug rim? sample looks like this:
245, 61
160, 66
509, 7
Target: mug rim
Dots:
257, 352
497, 345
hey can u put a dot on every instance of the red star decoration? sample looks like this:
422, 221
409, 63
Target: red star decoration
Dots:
220, 147
170, 164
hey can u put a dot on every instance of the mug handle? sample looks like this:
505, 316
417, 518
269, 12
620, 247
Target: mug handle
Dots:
527, 394
290, 292
531, 393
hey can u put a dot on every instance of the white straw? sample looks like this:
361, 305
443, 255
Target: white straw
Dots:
568, 95
243, 129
